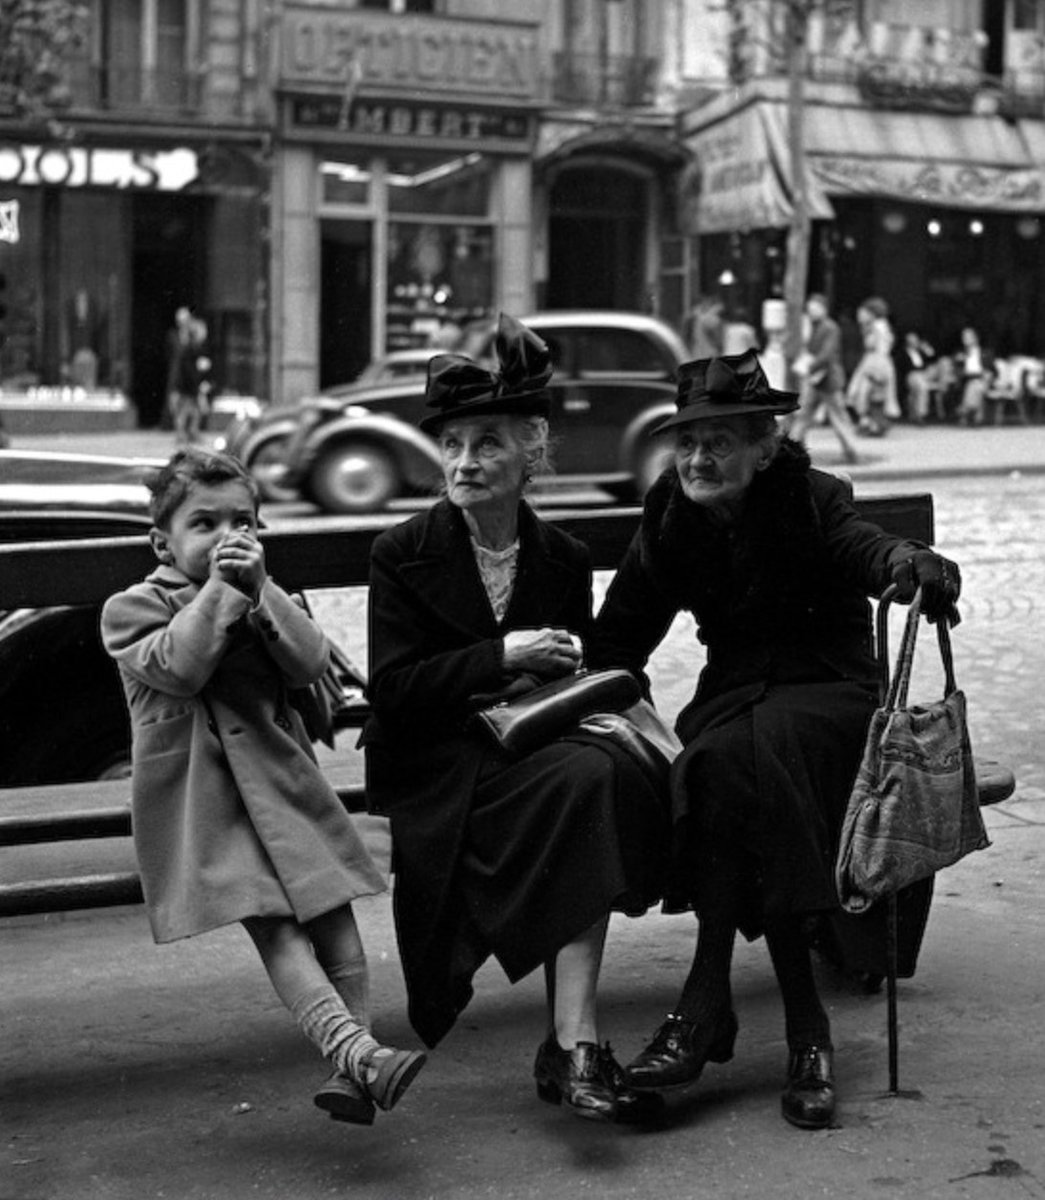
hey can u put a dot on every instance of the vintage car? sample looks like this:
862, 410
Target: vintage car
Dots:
354, 450
62, 714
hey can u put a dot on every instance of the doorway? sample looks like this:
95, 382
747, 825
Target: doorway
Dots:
167, 271
597, 240
344, 301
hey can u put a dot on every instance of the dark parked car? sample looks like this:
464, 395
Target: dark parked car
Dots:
62, 714
352, 451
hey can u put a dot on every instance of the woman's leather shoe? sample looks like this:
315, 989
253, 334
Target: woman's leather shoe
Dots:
679, 1050
576, 1078
809, 1098
633, 1107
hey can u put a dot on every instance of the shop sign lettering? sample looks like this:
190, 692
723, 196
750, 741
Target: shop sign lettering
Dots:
958, 184
82, 166
403, 120
494, 58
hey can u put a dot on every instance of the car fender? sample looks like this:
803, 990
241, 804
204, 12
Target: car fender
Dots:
638, 429
63, 717
416, 454
244, 449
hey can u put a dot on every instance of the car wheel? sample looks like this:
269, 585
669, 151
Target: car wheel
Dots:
651, 463
267, 464
354, 477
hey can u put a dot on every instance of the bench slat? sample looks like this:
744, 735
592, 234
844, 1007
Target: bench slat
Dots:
64, 895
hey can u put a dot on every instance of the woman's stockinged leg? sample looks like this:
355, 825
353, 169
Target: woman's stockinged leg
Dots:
808, 1099
806, 1022
571, 1067
703, 1027
576, 980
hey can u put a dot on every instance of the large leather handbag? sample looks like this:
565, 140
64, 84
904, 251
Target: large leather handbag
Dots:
523, 723
914, 808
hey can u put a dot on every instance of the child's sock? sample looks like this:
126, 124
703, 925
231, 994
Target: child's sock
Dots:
352, 981
326, 1021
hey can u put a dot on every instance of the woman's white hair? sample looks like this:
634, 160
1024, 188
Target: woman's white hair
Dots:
533, 435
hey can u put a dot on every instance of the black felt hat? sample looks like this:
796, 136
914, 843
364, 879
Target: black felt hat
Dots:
729, 386
459, 387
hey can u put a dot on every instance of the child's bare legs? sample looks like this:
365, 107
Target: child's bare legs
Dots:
339, 948
302, 984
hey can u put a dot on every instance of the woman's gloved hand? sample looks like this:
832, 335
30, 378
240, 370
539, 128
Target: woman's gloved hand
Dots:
940, 581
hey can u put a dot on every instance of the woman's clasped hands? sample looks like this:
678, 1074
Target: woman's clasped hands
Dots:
546, 652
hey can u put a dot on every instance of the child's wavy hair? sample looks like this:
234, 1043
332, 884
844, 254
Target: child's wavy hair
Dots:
171, 483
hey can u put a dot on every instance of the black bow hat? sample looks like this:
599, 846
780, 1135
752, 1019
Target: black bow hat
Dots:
726, 387
459, 387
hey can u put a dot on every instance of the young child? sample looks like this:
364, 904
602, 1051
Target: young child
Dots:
233, 820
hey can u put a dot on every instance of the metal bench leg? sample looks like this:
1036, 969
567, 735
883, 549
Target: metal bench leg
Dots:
891, 954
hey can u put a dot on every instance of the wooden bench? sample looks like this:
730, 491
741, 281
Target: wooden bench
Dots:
333, 554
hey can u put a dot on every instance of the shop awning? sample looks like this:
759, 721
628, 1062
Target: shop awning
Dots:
741, 176
963, 161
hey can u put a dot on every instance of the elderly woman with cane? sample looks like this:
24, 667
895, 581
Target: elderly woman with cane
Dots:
522, 859
776, 566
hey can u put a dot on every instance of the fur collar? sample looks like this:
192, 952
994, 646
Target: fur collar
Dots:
761, 560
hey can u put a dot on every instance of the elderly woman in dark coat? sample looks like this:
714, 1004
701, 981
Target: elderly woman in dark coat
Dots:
775, 564
519, 859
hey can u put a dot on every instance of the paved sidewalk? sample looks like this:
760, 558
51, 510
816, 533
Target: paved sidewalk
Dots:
130, 1071
905, 452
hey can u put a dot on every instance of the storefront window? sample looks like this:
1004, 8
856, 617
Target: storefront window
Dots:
440, 277
68, 277
450, 185
345, 183
440, 269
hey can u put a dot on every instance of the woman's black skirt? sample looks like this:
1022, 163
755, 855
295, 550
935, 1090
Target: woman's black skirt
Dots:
758, 798
556, 841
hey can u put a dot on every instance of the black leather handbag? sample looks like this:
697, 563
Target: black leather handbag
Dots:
523, 723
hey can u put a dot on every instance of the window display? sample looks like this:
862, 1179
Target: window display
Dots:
440, 270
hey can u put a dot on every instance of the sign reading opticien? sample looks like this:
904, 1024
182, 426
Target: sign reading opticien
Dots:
324, 47
83, 166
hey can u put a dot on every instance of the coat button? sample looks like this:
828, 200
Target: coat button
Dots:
283, 723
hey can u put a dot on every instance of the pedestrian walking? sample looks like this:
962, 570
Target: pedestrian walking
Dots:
823, 379
233, 820
193, 383
872, 386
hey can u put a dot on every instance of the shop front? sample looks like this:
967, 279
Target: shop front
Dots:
99, 244
942, 215
402, 204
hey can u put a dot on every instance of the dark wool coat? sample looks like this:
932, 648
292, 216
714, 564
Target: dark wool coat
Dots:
511, 858
232, 817
774, 731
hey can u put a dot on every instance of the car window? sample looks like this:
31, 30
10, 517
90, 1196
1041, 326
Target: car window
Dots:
619, 352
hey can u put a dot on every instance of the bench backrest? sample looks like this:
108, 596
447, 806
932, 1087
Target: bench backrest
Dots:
334, 553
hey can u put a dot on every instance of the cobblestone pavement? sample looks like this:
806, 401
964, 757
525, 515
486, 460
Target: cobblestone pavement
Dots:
128, 1071
994, 527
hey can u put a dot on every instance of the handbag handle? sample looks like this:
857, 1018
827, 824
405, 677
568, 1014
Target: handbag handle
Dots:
896, 696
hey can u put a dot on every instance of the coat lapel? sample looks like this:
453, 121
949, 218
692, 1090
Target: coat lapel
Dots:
444, 574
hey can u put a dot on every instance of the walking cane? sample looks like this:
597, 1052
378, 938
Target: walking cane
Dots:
891, 907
